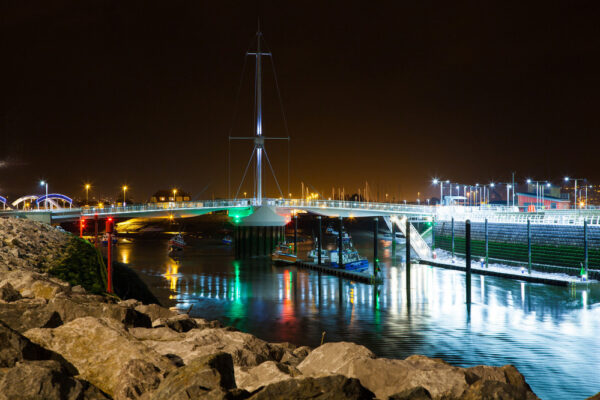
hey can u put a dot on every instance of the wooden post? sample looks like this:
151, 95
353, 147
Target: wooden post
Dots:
375, 255
96, 230
487, 265
296, 234
393, 238
529, 246
452, 238
340, 244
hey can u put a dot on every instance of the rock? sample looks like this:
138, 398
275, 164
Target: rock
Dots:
246, 350
203, 324
44, 380
98, 348
416, 393
79, 306
136, 378
25, 314
130, 303
506, 375
492, 390
198, 378
8, 293
385, 377
78, 289
181, 323
154, 311
594, 397
15, 347
40, 285
263, 374
329, 387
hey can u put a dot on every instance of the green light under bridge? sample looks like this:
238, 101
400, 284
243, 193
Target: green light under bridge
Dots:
237, 214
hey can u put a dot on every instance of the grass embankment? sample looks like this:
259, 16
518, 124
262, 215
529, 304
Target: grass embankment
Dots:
84, 265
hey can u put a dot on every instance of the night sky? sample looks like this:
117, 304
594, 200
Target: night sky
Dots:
143, 93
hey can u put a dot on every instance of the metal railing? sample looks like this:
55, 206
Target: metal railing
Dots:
417, 242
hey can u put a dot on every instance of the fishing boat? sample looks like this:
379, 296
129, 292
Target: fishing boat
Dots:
176, 243
314, 253
284, 254
227, 240
352, 261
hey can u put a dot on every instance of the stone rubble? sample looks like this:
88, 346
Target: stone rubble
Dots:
62, 342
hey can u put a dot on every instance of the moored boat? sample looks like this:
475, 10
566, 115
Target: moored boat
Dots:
176, 243
227, 239
284, 254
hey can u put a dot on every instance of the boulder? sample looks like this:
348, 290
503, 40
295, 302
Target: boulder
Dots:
39, 285
136, 378
98, 348
44, 380
213, 372
594, 397
336, 387
181, 323
78, 306
416, 393
27, 314
154, 311
8, 293
15, 348
246, 350
263, 374
492, 390
383, 376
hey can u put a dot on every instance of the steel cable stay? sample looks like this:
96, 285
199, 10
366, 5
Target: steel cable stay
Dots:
245, 172
273, 172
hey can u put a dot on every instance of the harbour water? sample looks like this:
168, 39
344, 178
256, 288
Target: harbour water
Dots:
551, 334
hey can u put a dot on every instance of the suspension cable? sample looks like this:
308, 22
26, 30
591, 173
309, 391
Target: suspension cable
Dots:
245, 171
272, 171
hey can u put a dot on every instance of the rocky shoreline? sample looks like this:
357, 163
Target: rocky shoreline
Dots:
60, 341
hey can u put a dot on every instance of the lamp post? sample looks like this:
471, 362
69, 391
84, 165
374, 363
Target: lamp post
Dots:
508, 187
174, 194
567, 179
45, 183
87, 193
124, 190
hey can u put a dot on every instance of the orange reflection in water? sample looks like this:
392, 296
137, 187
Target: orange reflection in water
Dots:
172, 275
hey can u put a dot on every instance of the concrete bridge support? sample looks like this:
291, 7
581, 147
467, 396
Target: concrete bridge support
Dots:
258, 234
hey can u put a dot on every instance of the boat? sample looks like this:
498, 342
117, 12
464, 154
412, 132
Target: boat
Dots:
331, 231
227, 240
176, 243
284, 254
352, 261
115, 240
314, 253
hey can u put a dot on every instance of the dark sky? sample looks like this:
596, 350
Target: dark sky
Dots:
143, 93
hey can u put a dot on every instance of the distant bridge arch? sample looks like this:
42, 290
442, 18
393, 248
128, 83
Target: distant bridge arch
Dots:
51, 198
24, 200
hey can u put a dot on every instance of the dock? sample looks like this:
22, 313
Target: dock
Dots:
342, 273
546, 278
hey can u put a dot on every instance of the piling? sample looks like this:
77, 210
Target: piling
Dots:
487, 265
585, 246
468, 259
296, 234
340, 244
81, 225
433, 234
452, 228
393, 239
96, 230
529, 246
375, 255
109, 230
407, 258
319, 262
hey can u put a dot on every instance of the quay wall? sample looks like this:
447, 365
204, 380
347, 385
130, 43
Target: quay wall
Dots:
553, 248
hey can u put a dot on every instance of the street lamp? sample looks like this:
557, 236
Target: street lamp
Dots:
124, 190
435, 181
174, 194
508, 187
87, 192
45, 183
567, 179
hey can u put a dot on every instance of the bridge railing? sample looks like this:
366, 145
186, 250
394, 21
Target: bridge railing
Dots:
166, 206
357, 205
547, 217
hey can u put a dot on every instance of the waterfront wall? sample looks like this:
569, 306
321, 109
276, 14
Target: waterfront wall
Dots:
553, 248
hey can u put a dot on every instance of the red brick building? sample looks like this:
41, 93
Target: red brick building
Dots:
529, 202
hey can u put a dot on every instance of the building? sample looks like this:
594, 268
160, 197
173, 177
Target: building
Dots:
166, 196
530, 202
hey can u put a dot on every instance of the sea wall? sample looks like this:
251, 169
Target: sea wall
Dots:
60, 340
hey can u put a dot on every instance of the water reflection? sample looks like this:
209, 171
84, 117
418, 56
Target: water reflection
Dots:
547, 332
